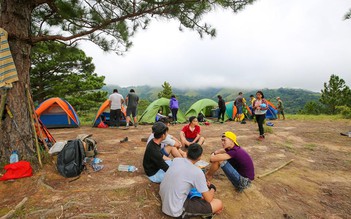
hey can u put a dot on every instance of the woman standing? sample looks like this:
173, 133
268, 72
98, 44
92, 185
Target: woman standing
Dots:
173, 105
260, 107
222, 108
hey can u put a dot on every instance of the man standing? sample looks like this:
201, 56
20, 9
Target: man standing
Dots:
235, 162
180, 178
154, 164
132, 101
116, 101
280, 108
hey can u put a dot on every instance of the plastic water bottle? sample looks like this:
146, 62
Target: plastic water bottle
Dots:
127, 168
14, 157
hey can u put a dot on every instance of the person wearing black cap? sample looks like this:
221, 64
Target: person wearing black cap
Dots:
154, 164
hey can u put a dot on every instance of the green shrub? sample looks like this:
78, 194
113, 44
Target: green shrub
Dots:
345, 111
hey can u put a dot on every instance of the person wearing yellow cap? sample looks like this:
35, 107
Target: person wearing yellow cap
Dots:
235, 162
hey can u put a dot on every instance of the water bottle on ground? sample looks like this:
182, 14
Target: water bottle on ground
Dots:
14, 157
127, 168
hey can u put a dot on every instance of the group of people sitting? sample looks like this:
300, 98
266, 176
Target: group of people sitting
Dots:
185, 189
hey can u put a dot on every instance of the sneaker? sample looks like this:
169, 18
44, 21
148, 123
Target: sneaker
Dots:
243, 184
124, 140
135, 124
261, 138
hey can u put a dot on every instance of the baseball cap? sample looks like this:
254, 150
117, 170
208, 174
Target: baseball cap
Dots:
159, 127
231, 136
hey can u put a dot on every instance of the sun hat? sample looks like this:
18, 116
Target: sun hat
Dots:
231, 136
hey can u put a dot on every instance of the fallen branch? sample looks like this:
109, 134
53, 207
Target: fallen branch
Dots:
12, 212
276, 169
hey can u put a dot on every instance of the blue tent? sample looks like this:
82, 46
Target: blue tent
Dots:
57, 113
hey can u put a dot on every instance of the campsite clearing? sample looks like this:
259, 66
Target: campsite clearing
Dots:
317, 184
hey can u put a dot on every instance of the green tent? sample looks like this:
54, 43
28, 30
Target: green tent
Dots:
206, 106
149, 115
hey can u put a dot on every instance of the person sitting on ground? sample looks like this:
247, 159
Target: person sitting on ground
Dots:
170, 145
235, 162
159, 116
154, 164
201, 117
190, 133
179, 180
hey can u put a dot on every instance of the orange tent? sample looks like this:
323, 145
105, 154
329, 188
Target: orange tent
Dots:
103, 114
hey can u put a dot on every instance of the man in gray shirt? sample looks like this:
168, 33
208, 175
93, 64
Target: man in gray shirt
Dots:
132, 103
183, 176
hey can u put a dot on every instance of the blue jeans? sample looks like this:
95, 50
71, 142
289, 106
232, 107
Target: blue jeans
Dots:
231, 173
158, 177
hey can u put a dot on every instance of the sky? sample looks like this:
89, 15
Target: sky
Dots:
269, 44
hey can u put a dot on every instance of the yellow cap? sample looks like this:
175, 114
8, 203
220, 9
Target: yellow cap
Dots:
231, 136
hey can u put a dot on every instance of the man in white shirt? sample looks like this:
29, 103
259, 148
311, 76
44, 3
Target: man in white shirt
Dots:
116, 101
180, 178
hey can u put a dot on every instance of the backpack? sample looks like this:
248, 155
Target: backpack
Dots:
89, 145
70, 161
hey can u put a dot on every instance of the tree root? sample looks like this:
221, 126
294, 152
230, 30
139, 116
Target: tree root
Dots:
41, 183
11, 213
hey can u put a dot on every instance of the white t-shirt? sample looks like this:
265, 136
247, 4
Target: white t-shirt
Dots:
116, 101
168, 140
180, 177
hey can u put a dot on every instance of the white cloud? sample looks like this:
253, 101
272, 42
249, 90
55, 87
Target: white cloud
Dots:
271, 43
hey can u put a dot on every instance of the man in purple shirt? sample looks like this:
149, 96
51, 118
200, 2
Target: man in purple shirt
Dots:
235, 162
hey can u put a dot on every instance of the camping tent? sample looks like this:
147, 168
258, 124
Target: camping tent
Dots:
149, 114
205, 106
271, 112
103, 114
232, 110
57, 113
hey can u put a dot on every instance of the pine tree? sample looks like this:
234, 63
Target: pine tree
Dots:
166, 92
335, 93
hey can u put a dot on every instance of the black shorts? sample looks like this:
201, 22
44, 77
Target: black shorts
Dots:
197, 207
131, 110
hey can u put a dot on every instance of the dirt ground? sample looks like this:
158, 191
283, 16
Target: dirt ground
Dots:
317, 184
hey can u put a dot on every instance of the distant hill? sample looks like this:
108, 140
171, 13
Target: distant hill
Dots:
294, 99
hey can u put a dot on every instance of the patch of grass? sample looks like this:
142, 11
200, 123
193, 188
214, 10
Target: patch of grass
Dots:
310, 147
314, 117
122, 192
268, 129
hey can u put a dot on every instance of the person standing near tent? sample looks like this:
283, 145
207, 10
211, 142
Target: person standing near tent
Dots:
239, 105
116, 101
132, 101
260, 107
235, 162
190, 133
174, 106
222, 108
280, 108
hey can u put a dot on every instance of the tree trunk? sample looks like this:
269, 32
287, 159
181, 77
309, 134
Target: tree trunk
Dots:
16, 133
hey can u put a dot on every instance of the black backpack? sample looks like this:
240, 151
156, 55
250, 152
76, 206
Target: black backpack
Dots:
70, 161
